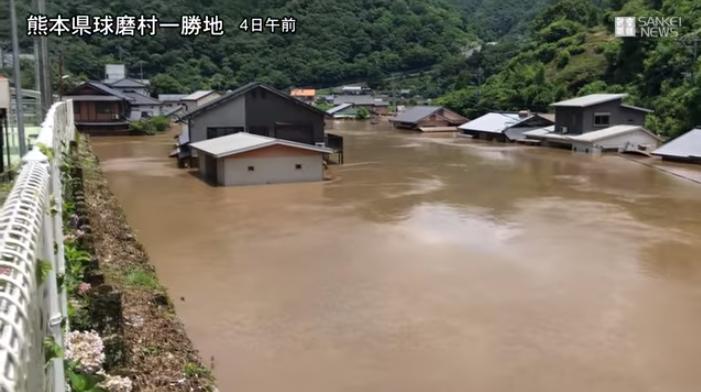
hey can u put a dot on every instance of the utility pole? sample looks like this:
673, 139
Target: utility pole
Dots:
45, 75
18, 80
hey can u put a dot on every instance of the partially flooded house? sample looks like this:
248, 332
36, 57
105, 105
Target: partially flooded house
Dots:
505, 126
374, 105
257, 109
98, 108
683, 148
428, 119
597, 123
247, 159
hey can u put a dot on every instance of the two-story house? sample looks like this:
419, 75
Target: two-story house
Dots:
597, 123
257, 109
595, 112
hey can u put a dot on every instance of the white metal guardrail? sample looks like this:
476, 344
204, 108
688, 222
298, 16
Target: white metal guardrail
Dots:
32, 305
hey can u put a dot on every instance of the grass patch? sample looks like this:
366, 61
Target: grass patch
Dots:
137, 276
193, 369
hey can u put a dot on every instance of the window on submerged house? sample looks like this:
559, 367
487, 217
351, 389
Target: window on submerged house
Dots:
602, 119
298, 166
251, 168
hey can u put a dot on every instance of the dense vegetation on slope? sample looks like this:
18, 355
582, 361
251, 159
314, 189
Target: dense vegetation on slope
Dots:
336, 41
494, 20
573, 51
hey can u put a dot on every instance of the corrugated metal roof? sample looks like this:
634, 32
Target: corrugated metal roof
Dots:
589, 100
171, 97
199, 94
415, 114
606, 133
242, 142
338, 108
687, 145
494, 122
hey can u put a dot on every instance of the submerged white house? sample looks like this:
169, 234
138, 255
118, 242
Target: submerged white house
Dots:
247, 159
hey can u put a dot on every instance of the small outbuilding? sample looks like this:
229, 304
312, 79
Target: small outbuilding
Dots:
684, 148
247, 159
428, 119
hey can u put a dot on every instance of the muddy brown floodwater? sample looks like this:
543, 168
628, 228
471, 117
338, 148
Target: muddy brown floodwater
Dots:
432, 263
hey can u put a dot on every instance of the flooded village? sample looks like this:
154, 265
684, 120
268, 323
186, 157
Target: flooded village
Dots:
350, 196
462, 256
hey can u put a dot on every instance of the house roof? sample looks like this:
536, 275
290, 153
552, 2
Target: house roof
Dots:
339, 108
616, 130
141, 99
171, 97
587, 137
548, 131
494, 122
589, 100
303, 92
199, 94
241, 142
106, 89
359, 100
126, 83
687, 145
638, 108
415, 114
94, 98
174, 111
243, 90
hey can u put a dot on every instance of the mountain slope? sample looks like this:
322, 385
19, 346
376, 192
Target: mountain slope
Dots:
335, 41
573, 52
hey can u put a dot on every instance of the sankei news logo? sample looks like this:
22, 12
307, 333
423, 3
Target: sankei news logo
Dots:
647, 26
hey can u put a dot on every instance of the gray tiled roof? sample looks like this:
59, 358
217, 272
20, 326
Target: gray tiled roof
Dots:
140, 99
106, 89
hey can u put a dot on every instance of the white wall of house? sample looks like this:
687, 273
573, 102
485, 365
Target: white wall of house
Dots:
270, 170
635, 140
149, 110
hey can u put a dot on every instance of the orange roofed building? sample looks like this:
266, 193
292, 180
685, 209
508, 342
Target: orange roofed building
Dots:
304, 94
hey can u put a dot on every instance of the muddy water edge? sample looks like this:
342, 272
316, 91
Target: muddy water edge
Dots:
430, 262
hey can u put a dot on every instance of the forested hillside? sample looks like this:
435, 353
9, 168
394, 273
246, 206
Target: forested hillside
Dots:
494, 20
335, 41
573, 51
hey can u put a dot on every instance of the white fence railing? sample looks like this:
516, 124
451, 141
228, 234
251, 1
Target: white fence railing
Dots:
33, 306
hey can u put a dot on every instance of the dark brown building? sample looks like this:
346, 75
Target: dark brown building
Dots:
98, 108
